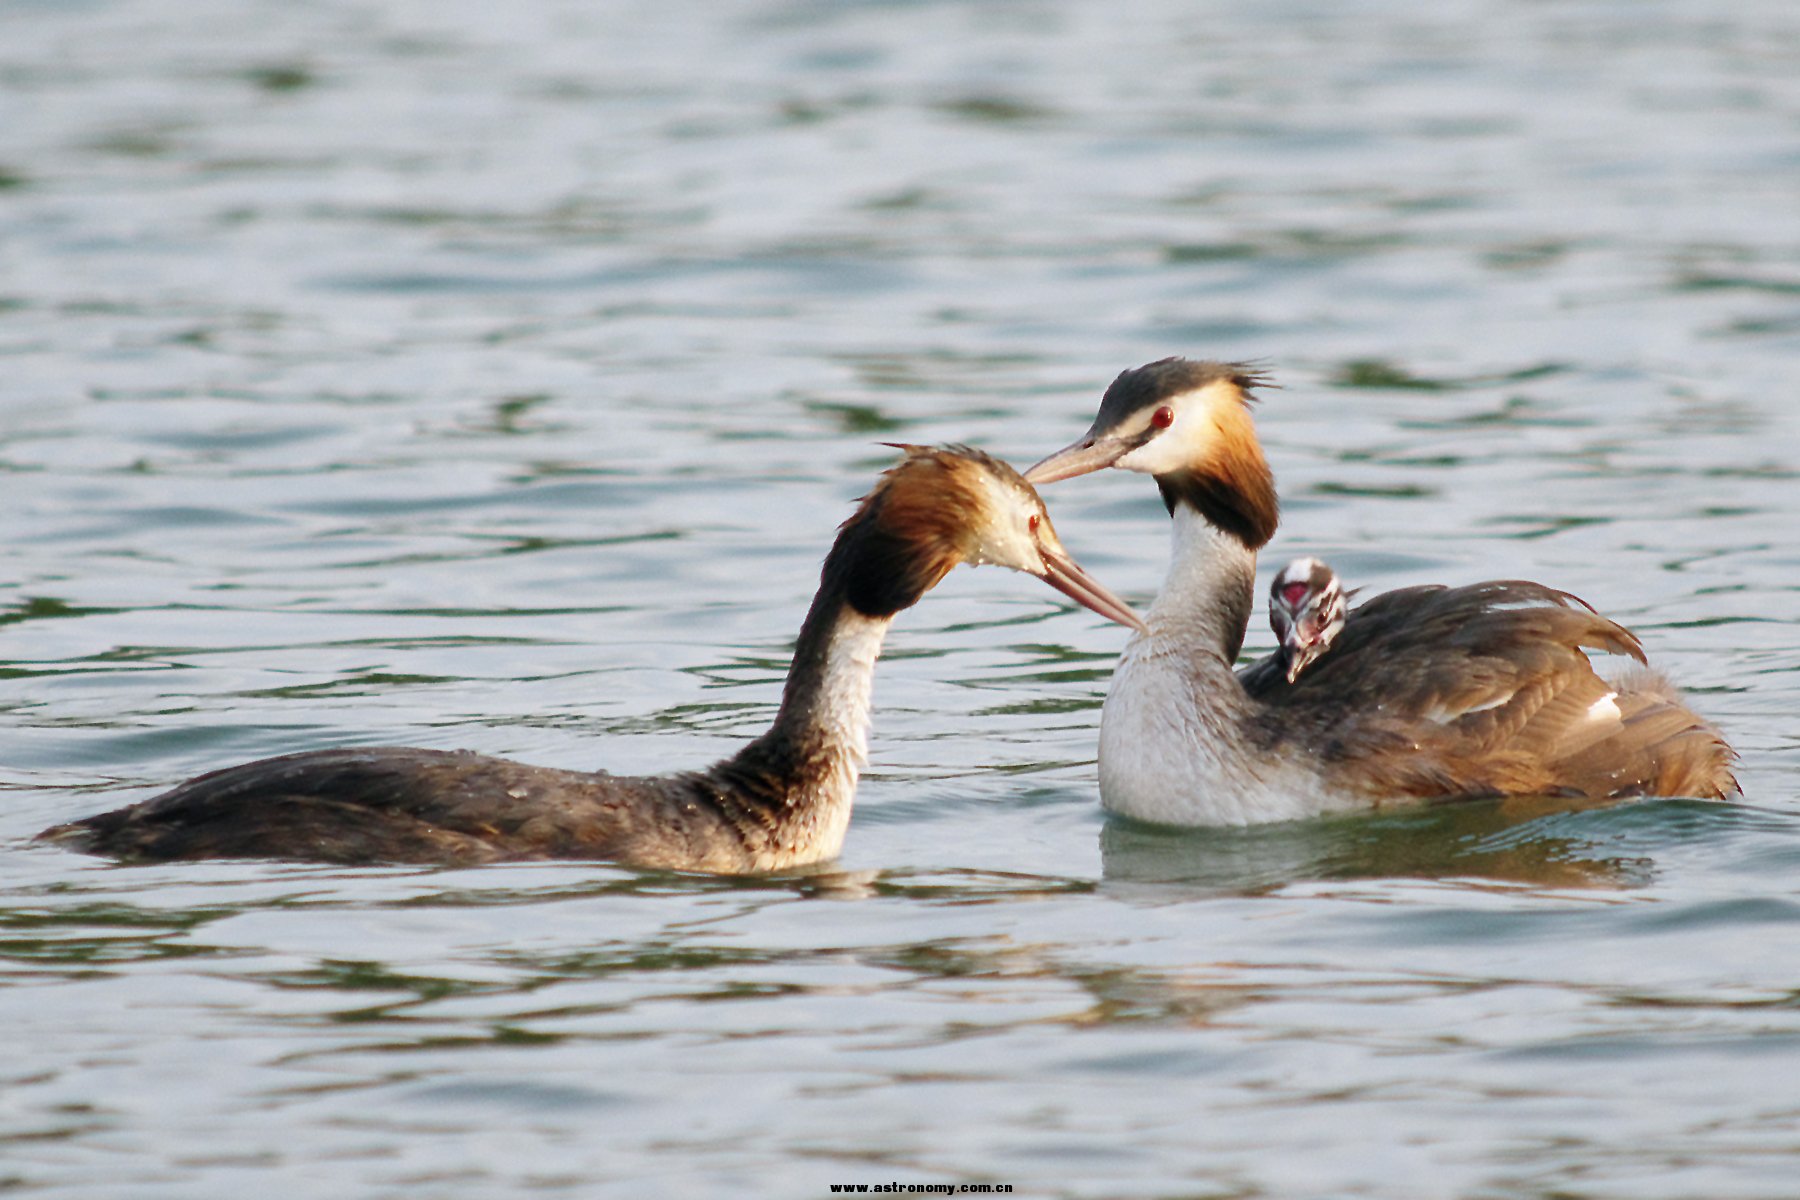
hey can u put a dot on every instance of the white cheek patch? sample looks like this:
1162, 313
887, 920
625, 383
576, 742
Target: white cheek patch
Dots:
1150, 458
1176, 448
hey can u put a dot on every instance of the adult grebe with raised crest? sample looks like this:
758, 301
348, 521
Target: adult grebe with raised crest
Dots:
1426, 692
782, 801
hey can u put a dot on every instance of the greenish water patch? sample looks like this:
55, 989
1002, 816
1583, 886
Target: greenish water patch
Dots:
279, 78
1380, 373
994, 108
1527, 527
1396, 491
857, 418
1701, 281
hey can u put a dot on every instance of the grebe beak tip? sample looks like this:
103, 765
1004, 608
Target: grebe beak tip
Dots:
1066, 576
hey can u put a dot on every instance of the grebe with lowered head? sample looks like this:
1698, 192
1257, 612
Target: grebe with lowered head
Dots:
782, 801
1427, 692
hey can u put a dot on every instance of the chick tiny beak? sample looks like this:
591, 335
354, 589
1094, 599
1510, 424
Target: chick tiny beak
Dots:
1304, 641
1066, 576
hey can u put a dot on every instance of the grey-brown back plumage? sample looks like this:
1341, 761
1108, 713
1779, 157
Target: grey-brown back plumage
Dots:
1486, 689
401, 804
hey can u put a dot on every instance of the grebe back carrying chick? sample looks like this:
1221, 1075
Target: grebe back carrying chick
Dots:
782, 801
1427, 692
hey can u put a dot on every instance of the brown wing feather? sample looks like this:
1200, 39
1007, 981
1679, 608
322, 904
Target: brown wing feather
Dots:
1487, 689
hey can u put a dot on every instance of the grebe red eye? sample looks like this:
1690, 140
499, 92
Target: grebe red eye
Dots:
1031, 523
1163, 417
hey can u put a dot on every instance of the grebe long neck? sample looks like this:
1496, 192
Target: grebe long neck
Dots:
1176, 714
789, 793
1206, 600
795, 784
809, 759
1222, 499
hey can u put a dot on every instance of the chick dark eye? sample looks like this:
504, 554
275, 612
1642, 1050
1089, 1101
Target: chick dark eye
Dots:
1163, 417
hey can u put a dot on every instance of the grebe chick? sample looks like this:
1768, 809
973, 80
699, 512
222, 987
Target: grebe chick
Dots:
1306, 611
782, 801
1428, 692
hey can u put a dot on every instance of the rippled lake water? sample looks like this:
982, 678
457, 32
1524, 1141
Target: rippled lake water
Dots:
482, 375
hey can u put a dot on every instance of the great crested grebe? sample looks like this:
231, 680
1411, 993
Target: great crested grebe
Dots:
1427, 692
782, 801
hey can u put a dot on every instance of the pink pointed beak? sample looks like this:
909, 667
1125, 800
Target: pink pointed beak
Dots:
1079, 458
1066, 576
